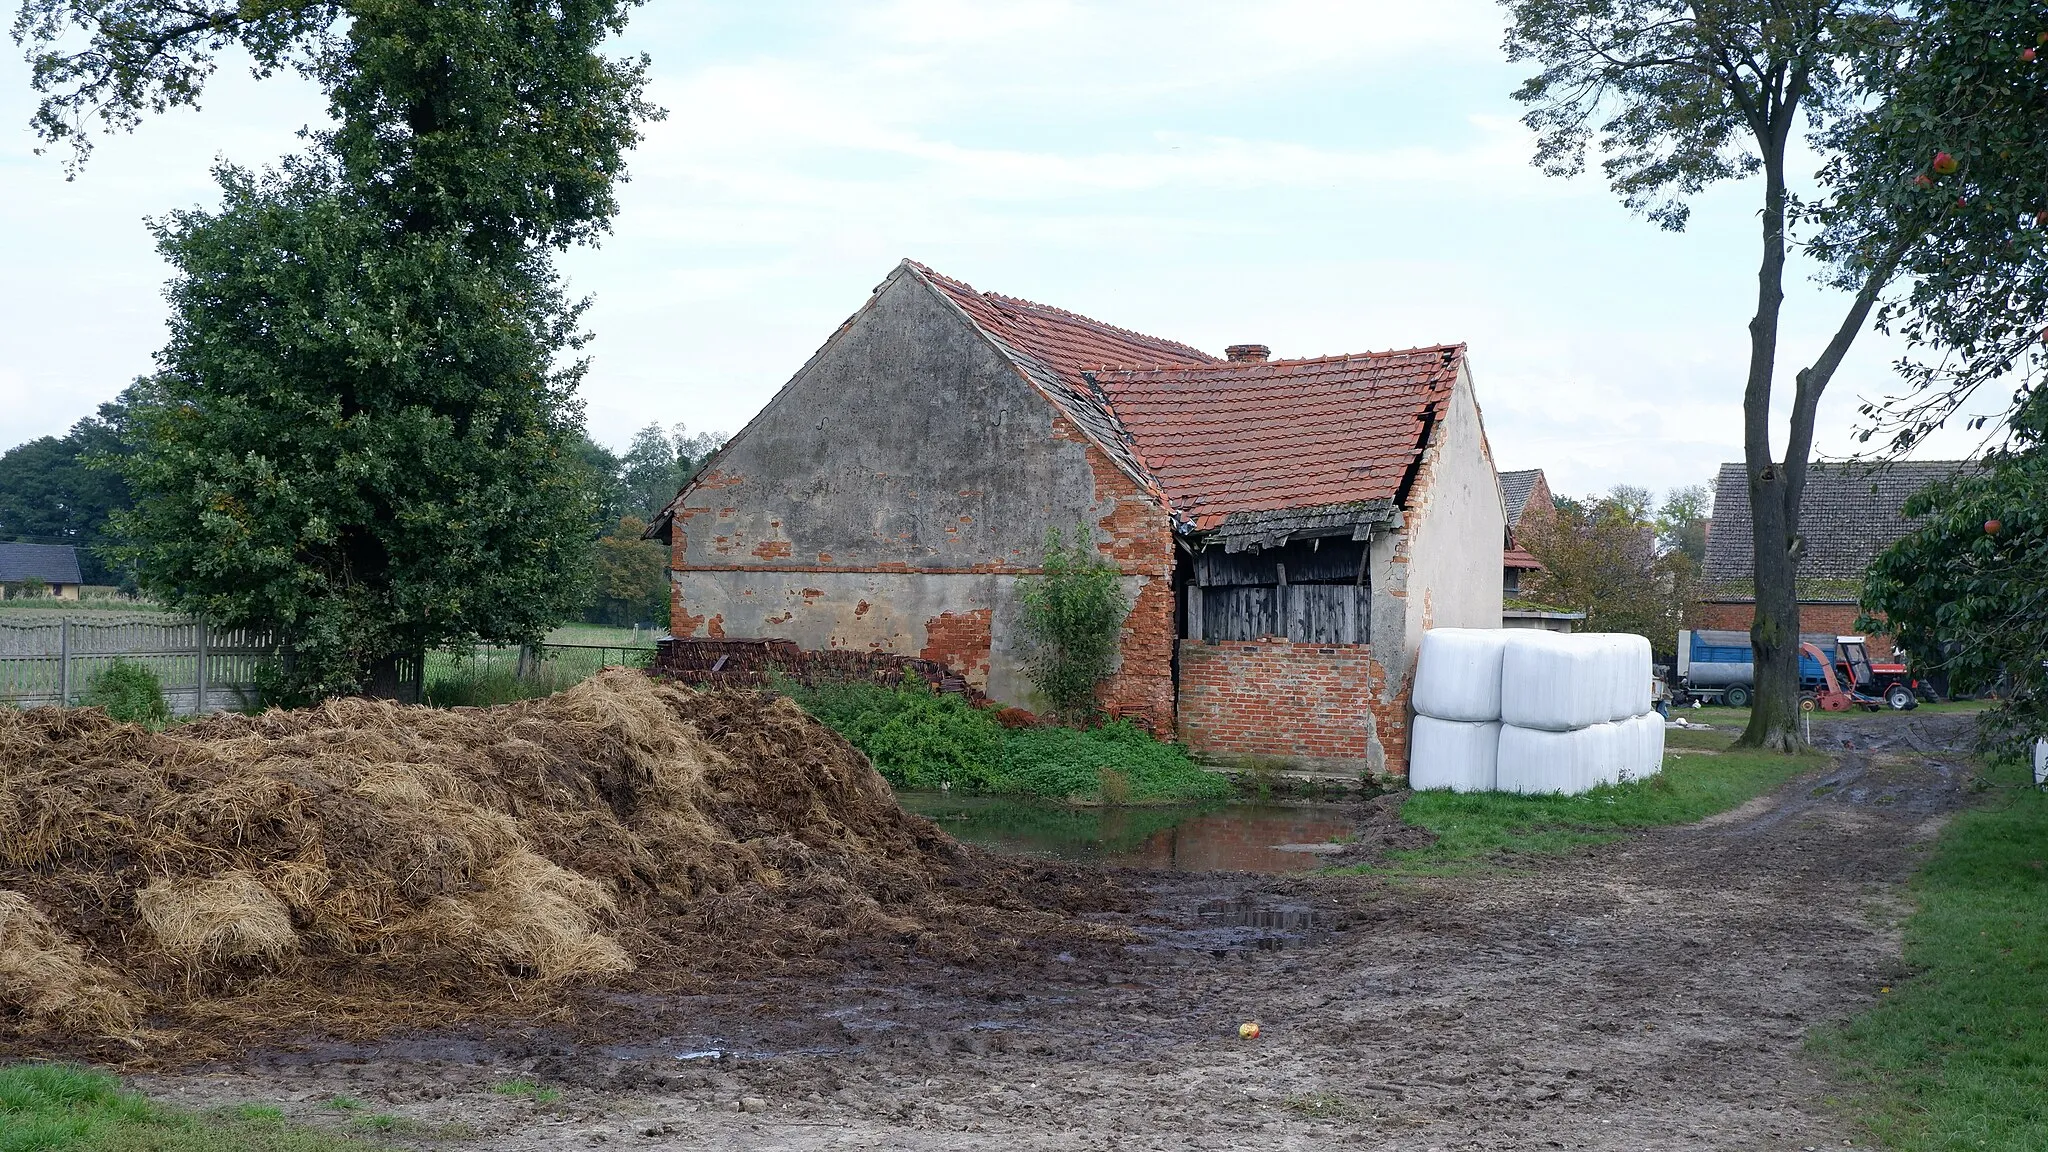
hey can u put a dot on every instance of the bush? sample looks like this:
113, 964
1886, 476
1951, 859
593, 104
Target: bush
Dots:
129, 692
1073, 618
921, 740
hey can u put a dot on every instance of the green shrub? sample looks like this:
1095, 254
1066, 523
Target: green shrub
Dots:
472, 683
921, 740
129, 692
1073, 618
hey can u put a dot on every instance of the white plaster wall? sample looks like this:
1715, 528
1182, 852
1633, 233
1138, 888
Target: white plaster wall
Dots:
1454, 558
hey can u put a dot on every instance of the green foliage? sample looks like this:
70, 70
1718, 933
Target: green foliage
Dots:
1957, 79
129, 692
1600, 557
1038, 825
922, 740
657, 465
51, 492
1967, 601
631, 582
1475, 827
61, 1108
1682, 522
1952, 1057
358, 440
1072, 620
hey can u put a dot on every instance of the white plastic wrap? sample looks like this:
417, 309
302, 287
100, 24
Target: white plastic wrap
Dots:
1645, 744
1552, 682
1558, 683
1453, 754
1457, 673
1631, 656
2041, 762
1534, 761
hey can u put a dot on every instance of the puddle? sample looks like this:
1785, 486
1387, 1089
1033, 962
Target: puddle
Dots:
1230, 837
1255, 923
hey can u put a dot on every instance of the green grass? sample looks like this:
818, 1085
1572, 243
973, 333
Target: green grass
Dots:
1479, 828
1955, 1056
538, 1093
57, 1108
922, 740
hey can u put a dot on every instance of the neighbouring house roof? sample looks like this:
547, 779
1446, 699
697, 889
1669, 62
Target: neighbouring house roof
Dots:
50, 563
1848, 514
1518, 558
1515, 488
1258, 444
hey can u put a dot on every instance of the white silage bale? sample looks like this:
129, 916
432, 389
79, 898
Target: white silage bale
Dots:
1553, 682
1457, 674
1653, 730
2041, 763
1454, 754
1607, 753
1633, 658
1537, 761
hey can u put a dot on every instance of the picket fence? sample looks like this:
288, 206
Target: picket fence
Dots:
201, 670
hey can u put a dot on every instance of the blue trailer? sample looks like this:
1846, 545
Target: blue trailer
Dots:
1718, 666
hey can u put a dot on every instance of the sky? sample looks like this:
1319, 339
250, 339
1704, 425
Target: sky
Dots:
1320, 176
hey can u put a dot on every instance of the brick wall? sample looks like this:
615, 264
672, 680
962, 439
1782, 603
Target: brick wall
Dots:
1320, 705
1138, 539
1836, 619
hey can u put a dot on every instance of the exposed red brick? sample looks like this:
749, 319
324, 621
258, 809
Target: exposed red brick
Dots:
861, 609
715, 627
960, 641
718, 478
772, 549
1323, 702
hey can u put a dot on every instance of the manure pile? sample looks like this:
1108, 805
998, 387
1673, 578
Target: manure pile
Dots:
361, 866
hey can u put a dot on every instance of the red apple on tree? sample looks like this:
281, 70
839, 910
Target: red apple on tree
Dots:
1923, 180
1991, 527
1944, 164
2028, 55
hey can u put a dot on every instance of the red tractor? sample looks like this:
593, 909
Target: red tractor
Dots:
1851, 681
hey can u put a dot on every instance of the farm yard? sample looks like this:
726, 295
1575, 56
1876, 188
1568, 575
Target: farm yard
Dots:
1654, 986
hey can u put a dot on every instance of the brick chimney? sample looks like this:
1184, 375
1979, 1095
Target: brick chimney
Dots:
1247, 353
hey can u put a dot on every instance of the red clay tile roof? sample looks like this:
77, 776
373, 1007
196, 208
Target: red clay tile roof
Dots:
1215, 437
1067, 342
1518, 558
1250, 436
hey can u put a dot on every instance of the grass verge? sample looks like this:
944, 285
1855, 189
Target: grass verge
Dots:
923, 740
56, 1108
1476, 828
1956, 1055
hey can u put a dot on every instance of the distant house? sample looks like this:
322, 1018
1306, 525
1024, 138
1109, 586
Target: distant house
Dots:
1525, 496
54, 565
1286, 529
1847, 515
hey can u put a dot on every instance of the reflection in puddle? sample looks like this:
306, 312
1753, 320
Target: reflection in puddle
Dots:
1268, 925
1231, 837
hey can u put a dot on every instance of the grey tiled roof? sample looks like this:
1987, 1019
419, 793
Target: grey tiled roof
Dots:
50, 563
1848, 514
1514, 491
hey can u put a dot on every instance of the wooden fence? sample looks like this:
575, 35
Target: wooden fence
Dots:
201, 671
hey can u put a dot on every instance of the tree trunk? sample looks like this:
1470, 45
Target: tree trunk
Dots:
1774, 633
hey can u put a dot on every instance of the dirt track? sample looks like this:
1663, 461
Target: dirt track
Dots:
1652, 994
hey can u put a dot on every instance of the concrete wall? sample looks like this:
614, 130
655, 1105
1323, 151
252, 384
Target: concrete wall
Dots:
893, 495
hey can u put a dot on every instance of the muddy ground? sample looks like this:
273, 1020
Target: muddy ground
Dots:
1649, 994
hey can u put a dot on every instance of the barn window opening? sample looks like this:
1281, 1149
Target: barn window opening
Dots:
1313, 591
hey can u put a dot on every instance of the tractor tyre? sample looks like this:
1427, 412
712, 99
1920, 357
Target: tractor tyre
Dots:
1901, 698
1737, 696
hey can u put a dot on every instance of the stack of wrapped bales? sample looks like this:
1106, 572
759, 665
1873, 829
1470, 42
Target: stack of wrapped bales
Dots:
1512, 710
